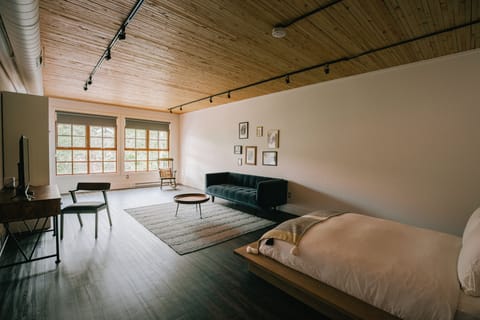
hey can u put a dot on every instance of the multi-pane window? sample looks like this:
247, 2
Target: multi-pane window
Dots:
145, 143
85, 144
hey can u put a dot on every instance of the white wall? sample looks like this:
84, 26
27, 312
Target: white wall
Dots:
120, 179
401, 143
27, 115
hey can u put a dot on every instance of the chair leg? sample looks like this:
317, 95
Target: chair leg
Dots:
61, 226
109, 218
80, 219
96, 225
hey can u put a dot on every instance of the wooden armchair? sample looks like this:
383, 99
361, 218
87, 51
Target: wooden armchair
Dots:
94, 207
167, 174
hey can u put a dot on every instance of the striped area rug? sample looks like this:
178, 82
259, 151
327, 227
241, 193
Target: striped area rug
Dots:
187, 233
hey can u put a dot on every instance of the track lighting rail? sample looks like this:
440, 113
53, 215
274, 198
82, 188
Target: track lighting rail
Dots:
308, 14
328, 64
119, 35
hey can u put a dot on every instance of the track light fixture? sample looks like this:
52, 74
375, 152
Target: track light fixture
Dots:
122, 35
211, 99
228, 95
181, 108
171, 111
327, 69
287, 79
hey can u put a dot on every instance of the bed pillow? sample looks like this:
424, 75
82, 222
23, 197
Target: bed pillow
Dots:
472, 223
469, 259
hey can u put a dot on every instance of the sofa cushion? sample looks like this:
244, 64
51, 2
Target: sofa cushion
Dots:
234, 192
245, 180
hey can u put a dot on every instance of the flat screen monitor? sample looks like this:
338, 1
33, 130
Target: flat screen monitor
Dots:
23, 168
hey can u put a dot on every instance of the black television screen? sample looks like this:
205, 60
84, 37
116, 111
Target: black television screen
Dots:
23, 168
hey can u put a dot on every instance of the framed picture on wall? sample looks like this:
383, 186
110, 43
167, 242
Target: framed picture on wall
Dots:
272, 138
251, 155
237, 149
259, 131
269, 158
243, 130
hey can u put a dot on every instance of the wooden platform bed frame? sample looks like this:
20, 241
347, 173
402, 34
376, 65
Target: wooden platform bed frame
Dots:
325, 299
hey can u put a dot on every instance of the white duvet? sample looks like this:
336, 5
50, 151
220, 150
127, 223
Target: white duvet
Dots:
406, 271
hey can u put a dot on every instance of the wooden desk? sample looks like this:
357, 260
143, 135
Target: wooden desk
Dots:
45, 204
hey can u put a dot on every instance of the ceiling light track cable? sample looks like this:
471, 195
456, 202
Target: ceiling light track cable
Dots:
308, 14
280, 30
120, 35
327, 65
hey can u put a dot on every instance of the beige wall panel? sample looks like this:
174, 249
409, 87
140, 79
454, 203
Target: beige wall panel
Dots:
27, 115
402, 143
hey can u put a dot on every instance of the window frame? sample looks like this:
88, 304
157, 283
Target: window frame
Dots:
147, 149
87, 148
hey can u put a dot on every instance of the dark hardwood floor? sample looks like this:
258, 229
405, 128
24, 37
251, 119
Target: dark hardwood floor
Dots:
128, 273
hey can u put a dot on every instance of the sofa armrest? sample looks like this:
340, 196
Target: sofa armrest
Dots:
215, 178
271, 193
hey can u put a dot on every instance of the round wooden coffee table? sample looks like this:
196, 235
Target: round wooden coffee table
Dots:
191, 198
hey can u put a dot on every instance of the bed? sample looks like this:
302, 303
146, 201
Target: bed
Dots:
352, 266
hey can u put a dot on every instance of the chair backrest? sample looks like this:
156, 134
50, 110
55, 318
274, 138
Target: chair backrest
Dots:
93, 186
166, 173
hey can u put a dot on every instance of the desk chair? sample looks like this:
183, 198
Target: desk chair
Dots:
79, 207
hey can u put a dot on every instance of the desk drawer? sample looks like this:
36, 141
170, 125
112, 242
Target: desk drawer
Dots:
22, 210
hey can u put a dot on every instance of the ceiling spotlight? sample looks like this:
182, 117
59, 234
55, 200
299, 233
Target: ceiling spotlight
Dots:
122, 35
287, 79
181, 108
211, 100
279, 32
109, 55
327, 69
89, 80
85, 87
170, 110
228, 95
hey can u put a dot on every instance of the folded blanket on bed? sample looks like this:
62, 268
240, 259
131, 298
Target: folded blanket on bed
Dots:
293, 230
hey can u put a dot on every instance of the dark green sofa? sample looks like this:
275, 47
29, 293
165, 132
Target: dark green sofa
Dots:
254, 191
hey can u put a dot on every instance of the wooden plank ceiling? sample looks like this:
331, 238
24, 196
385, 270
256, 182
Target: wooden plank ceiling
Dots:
180, 51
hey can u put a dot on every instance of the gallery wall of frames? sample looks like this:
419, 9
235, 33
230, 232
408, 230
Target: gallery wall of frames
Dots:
248, 152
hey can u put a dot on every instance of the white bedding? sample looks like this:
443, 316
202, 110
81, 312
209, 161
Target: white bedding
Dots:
406, 271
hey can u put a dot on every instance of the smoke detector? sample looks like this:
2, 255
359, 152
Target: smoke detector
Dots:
279, 32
